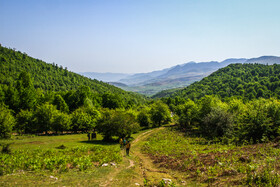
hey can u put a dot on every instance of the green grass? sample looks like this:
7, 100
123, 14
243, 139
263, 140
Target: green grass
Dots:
51, 142
43, 178
215, 164
72, 159
68, 157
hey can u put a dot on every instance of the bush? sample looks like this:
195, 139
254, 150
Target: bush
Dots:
143, 118
217, 123
6, 148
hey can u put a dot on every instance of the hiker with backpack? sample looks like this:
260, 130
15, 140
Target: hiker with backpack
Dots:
127, 147
121, 143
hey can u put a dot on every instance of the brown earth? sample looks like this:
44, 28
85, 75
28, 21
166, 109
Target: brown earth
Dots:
140, 168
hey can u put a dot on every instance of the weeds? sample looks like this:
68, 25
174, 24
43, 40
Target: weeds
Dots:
6, 148
79, 158
215, 163
265, 177
61, 147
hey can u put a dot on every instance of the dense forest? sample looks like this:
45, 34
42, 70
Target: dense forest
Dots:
231, 121
51, 77
245, 81
36, 98
237, 104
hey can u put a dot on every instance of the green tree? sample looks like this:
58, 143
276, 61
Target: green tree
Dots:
26, 91
160, 113
188, 114
25, 122
256, 124
2, 95
60, 103
217, 123
45, 116
61, 122
143, 118
117, 123
111, 101
81, 94
7, 122
12, 98
84, 119
206, 104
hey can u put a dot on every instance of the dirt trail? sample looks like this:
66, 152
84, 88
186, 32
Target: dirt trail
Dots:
138, 168
150, 172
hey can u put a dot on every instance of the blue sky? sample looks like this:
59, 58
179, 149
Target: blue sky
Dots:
130, 36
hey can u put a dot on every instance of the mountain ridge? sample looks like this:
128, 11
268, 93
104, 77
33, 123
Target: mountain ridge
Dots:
247, 81
169, 78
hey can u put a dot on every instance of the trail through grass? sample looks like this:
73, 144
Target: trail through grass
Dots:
38, 160
155, 154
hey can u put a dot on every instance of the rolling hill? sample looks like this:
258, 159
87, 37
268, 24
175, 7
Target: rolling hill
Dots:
50, 76
247, 81
179, 76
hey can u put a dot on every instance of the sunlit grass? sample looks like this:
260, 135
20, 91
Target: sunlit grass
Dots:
214, 163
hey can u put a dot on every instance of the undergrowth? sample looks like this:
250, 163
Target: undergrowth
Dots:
215, 164
79, 158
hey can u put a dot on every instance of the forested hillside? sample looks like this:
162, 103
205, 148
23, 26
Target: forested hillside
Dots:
246, 81
36, 97
50, 76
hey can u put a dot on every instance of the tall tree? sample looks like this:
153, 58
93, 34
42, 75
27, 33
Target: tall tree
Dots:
26, 91
60, 103
45, 117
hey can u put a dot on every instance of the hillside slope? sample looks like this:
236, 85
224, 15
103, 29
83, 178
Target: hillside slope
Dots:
242, 80
178, 76
50, 76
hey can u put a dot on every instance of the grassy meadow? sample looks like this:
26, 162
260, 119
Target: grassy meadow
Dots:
208, 163
72, 160
65, 159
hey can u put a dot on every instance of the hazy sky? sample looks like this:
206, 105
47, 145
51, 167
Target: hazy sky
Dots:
129, 36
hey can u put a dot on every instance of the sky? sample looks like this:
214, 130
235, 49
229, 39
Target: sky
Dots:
137, 36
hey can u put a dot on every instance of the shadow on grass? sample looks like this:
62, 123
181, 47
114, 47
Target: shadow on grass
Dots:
99, 142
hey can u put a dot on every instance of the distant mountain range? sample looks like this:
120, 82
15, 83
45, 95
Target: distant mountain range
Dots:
105, 77
174, 77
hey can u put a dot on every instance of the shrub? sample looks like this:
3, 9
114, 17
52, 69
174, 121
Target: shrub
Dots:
217, 123
6, 148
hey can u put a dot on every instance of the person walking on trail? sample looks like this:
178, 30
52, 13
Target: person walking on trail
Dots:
124, 141
121, 143
127, 147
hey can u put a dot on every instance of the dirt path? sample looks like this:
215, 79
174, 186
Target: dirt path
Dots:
138, 169
149, 171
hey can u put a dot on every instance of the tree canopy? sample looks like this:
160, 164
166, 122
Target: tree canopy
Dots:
246, 81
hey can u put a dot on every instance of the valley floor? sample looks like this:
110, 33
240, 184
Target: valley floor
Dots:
156, 154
